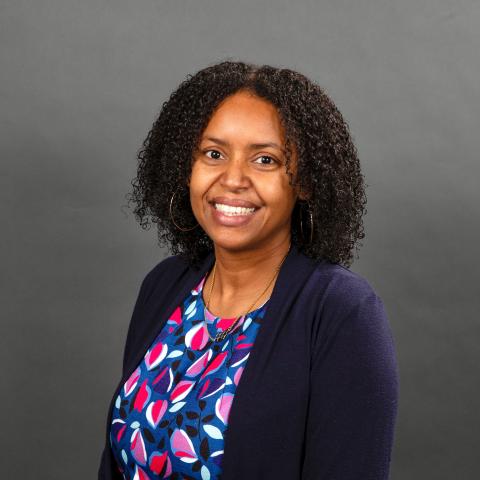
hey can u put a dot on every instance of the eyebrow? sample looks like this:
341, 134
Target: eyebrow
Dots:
251, 146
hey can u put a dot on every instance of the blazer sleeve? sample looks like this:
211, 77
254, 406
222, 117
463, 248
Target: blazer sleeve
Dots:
139, 304
353, 394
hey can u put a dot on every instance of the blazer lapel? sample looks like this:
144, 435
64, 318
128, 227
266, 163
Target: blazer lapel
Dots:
294, 272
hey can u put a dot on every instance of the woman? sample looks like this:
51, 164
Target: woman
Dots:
253, 351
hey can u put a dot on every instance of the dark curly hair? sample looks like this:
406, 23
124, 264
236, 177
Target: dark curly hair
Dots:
328, 168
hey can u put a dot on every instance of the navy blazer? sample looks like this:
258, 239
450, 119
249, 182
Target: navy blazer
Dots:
319, 393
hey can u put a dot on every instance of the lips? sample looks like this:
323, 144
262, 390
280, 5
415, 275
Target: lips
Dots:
234, 202
224, 219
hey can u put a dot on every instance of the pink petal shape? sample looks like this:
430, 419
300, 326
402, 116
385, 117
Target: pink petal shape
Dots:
159, 462
182, 389
215, 365
199, 365
182, 446
209, 317
223, 405
137, 447
142, 397
224, 323
176, 317
238, 374
199, 287
154, 356
131, 383
197, 337
155, 412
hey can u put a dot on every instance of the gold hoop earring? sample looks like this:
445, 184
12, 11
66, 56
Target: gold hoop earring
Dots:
175, 223
311, 222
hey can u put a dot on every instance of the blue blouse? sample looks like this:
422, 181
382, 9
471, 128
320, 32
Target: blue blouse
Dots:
170, 418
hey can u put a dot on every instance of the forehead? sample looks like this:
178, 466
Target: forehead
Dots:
244, 115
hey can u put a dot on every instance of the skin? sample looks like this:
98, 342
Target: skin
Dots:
246, 256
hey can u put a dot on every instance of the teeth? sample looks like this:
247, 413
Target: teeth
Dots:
230, 211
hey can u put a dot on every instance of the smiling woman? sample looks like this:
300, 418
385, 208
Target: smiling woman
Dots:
253, 351
239, 163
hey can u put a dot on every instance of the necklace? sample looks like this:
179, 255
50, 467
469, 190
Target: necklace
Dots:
221, 335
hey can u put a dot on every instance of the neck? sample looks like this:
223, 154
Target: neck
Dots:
240, 277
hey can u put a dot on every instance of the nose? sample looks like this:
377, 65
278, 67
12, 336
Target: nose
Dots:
235, 174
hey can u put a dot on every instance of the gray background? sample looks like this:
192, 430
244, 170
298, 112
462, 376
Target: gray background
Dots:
81, 83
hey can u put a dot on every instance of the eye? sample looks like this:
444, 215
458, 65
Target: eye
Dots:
216, 152
273, 161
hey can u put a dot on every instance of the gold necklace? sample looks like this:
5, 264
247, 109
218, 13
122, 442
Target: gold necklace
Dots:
221, 335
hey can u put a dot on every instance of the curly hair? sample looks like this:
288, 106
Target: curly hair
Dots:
328, 168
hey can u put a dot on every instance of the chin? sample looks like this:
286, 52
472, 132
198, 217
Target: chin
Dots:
234, 244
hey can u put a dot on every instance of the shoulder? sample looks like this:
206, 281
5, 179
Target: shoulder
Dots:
172, 267
344, 301
168, 264
339, 288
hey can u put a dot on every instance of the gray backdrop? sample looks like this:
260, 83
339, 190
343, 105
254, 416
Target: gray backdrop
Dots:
81, 83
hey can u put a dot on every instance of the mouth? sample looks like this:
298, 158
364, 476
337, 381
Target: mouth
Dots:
232, 216
231, 211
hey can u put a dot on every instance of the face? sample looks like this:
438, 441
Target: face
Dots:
239, 188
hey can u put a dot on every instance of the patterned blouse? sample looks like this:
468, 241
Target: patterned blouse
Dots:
171, 416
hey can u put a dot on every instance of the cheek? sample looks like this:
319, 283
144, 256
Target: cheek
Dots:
197, 183
201, 181
278, 193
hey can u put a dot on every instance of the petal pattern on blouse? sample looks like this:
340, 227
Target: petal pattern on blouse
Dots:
211, 387
182, 446
155, 412
198, 366
160, 464
118, 428
238, 357
222, 406
131, 383
215, 365
176, 317
238, 374
142, 397
182, 389
197, 337
140, 474
163, 381
137, 447
177, 401
154, 356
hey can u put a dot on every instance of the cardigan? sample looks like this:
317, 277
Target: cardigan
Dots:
318, 399
170, 417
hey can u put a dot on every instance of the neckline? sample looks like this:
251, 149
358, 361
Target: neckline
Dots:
217, 318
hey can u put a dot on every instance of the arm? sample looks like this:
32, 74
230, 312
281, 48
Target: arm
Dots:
353, 396
155, 276
136, 314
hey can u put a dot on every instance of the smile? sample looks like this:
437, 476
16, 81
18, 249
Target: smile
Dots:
229, 216
230, 211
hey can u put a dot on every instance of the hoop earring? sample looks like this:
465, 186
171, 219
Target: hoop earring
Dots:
171, 216
311, 222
